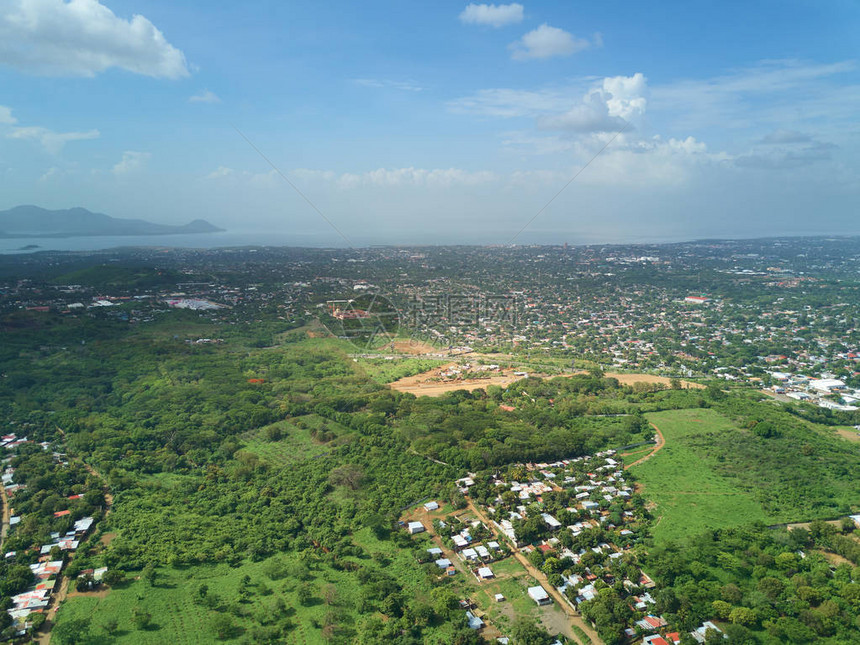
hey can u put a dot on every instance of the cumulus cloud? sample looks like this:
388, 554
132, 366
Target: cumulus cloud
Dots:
492, 15
83, 38
205, 97
131, 162
546, 42
6, 117
604, 108
53, 142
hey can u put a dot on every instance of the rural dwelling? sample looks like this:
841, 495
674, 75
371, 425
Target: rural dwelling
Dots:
485, 573
415, 527
469, 554
539, 595
651, 623
654, 639
474, 621
826, 385
499, 597
431, 506
700, 633
550, 521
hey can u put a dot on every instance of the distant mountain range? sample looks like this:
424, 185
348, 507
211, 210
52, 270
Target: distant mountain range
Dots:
32, 221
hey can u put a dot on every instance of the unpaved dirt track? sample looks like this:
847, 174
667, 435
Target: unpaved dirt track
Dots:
574, 616
660, 443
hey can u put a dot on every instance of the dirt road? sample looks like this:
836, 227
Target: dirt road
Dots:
573, 615
7, 514
657, 447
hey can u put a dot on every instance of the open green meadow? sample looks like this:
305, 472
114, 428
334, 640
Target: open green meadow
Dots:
635, 455
303, 592
684, 483
286, 442
384, 370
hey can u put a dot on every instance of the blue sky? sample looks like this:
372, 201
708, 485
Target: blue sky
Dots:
438, 121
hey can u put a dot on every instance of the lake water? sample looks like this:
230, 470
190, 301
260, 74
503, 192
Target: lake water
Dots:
326, 240
193, 241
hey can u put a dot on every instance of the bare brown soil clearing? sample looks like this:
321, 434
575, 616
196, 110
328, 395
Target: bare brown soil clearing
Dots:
424, 385
834, 558
630, 379
410, 347
848, 433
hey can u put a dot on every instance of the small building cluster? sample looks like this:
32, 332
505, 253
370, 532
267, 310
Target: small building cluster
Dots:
577, 520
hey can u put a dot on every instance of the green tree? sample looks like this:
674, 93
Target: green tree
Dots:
743, 616
223, 626
526, 632
72, 632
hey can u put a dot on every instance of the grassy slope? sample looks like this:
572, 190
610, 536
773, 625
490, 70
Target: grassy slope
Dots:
177, 619
689, 493
296, 443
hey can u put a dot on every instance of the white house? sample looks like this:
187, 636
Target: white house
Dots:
539, 595
415, 527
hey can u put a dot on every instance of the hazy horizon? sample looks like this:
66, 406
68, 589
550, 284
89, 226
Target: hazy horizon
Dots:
446, 122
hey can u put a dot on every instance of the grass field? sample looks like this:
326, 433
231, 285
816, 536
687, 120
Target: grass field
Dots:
689, 494
296, 443
384, 371
636, 454
176, 618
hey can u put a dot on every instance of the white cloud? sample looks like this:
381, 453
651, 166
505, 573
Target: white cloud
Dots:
546, 42
205, 97
83, 38
131, 162
784, 94
440, 177
220, 172
625, 95
592, 114
6, 117
492, 15
604, 108
53, 142
50, 173
407, 86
